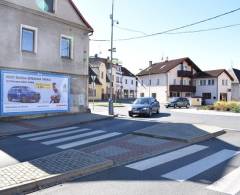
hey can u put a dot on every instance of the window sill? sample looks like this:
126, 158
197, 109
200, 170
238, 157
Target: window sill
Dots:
66, 58
28, 52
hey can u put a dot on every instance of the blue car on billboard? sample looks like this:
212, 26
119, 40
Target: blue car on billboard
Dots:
23, 94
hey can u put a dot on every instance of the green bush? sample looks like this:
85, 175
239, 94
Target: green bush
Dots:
227, 106
224, 106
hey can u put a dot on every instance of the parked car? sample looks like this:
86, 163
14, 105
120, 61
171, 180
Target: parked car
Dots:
23, 94
144, 106
178, 102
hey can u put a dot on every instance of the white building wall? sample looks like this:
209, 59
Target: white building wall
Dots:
130, 85
207, 89
224, 88
158, 86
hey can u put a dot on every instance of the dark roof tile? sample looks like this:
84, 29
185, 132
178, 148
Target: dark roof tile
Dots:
164, 67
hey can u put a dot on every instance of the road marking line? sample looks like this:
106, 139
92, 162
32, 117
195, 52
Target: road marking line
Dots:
58, 134
47, 132
229, 184
193, 169
164, 158
55, 141
89, 140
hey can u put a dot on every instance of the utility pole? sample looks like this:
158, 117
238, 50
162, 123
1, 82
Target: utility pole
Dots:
110, 108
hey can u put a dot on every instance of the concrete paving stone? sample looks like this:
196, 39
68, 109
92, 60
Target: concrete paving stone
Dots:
134, 147
181, 132
61, 166
111, 151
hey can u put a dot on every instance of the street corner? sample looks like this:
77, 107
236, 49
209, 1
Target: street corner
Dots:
49, 170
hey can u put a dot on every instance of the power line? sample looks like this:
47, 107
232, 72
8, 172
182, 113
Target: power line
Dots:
174, 29
203, 30
130, 30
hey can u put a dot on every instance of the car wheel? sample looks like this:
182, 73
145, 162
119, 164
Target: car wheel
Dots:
187, 106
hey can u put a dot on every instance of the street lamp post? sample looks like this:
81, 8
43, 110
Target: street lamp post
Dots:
110, 109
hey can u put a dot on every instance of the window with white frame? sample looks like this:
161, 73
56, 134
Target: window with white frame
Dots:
28, 39
66, 49
223, 82
226, 82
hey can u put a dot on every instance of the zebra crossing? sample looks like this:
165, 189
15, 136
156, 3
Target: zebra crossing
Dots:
227, 184
69, 137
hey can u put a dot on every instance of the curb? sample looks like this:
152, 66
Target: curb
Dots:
60, 126
51, 180
190, 141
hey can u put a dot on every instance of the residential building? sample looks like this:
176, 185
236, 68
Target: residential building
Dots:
118, 86
94, 87
47, 37
235, 73
170, 78
129, 84
213, 85
99, 66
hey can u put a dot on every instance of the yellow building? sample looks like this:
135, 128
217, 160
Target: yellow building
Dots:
94, 88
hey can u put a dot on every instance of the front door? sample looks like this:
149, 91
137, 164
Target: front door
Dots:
223, 96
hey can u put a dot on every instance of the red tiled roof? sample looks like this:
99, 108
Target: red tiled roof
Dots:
80, 15
164, 67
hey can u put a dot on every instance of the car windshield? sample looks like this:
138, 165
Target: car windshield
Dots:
142, 101
173, 99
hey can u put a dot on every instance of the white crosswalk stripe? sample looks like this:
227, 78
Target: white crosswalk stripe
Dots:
89, 140
229, 184
161, 159
58, 134
55, 141
47, 132
195, 168
72, 136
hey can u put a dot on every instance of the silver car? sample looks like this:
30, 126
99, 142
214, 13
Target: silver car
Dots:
144, 106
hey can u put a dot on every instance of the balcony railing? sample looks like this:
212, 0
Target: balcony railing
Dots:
184, 73
182, 88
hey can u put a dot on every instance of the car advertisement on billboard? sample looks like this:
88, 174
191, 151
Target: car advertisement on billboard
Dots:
30, 92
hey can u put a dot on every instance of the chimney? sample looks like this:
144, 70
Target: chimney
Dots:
150, 63
96, 55
166, 59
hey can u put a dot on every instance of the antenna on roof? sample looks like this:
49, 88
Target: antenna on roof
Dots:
166, 58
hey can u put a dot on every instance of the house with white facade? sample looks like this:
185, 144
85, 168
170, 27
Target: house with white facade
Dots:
171, 78
129, 84
213, 85
235, 73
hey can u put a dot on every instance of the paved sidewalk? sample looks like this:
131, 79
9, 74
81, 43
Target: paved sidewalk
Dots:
39, 124
49, 170
189, 133
206, 112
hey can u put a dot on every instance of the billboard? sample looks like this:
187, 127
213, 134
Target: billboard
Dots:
31, 92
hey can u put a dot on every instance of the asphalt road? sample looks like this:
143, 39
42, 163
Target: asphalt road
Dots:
180, 174
168, 115
20, 148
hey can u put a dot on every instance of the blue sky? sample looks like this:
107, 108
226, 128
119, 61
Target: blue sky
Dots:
209, 50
